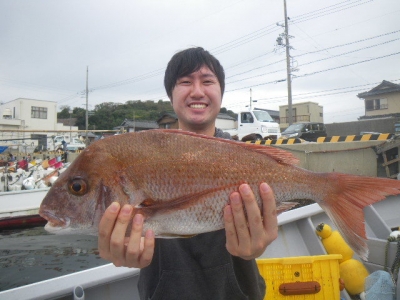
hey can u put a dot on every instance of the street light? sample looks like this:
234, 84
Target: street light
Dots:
70, 126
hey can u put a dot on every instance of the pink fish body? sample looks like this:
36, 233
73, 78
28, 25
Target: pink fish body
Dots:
181, 182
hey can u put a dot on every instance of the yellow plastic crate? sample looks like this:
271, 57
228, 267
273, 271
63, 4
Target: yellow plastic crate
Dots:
308, 277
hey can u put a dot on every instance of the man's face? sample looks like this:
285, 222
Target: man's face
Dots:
196, 100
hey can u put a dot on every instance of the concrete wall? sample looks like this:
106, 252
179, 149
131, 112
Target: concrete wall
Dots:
225, 124
382, 125
357, 158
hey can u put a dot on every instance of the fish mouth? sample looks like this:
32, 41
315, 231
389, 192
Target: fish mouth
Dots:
53, 221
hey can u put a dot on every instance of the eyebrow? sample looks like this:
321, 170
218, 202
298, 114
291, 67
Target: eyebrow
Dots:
207, 74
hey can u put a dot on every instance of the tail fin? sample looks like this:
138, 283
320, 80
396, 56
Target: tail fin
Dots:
344, 205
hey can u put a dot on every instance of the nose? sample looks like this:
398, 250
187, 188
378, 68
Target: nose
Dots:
197, 90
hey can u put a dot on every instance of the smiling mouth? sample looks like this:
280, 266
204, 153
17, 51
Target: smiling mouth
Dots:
198, 106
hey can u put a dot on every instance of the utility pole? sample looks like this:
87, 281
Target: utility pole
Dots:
87, 105
251, 101
289, 76
288, 62
70, 126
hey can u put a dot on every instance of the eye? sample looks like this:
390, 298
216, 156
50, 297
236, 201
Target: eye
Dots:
184, 82
77, 187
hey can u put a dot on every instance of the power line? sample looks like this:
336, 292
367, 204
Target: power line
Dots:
246, 39
312, 17
347, 44
337, 46
348, 65
309, 95
349, 52
238, 42
131, 80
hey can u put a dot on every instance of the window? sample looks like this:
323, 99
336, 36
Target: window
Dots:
293, 112
263, 116
39, 112
247, 118
376, 104
383, 104
315, 127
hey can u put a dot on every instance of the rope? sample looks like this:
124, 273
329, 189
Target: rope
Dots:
396, 262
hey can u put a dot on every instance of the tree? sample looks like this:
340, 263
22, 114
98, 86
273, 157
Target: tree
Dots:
64, 113
108, 115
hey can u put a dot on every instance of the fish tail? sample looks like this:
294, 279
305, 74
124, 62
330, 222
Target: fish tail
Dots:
346, 199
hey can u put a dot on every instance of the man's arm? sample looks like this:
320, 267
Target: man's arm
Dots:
249, 237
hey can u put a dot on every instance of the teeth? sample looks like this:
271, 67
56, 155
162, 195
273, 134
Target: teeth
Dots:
198, 106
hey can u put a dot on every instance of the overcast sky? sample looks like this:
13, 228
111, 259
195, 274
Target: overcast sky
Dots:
340, 48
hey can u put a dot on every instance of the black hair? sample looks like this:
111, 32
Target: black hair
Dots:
188, 61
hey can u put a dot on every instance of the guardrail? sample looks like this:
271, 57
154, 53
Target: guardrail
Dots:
355, 138
329, 139
275, 142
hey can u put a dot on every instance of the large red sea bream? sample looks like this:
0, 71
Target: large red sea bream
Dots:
181, 182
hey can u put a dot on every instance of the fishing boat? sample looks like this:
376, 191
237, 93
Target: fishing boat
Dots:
21, 208
297, 239
23, 189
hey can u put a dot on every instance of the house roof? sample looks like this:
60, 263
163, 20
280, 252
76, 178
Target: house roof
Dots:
167, 114
225, 117
89, 134
383, 88
68, 122
138, 124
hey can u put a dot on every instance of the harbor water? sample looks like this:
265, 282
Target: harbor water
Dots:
32, 255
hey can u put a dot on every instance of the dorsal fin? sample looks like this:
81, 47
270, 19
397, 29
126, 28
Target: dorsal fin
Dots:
280, 155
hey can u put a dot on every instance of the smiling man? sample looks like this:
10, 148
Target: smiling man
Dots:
195, 90
213, 265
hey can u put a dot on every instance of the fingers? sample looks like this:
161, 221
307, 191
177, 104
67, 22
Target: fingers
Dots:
133, 251
117, 239
106, 227
139, 252
269, 212
248, 233
238, 238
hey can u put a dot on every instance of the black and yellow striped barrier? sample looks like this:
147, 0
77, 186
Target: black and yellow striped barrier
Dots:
276, 142
355, 138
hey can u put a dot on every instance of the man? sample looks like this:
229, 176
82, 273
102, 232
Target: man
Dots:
214, 265
65, 150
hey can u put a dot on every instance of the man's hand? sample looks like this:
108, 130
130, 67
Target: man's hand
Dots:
248, 237
134, 251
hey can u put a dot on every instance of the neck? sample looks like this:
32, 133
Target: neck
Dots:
209, 130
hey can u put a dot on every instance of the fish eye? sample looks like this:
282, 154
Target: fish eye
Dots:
77, 187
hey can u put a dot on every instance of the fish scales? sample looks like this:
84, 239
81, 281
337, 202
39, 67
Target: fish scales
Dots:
181, 182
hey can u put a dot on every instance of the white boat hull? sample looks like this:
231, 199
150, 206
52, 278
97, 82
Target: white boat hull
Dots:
21, 203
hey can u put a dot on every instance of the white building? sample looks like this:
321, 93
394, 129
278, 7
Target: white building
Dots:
28, 123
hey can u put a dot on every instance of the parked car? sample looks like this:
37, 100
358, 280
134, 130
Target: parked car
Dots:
309, 131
